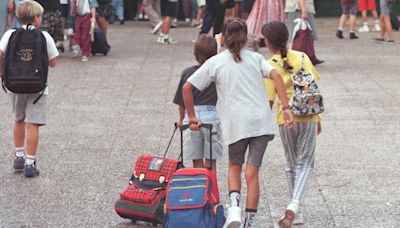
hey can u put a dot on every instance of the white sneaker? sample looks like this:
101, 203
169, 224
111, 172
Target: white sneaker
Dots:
377, 27
364, 29
84, 59
233, 218
70, 32
286, 220
75, 53
157, 27
298, 220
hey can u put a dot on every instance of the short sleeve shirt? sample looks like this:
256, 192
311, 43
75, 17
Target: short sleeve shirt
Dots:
242, 104
206, 97
295, 60
293, 5
52, 51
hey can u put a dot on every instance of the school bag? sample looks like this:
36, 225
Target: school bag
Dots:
306, 98
395, 21
99, 44
193, 196
302, 39
26, 62
144, 198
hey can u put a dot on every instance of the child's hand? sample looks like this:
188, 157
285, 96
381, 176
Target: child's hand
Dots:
179, 123
194, 123
288, 118
304, 14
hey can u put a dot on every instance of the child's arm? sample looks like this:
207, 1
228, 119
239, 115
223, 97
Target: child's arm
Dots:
181, 115
187, 92
93, 19
280, 89
303, 8
10, 10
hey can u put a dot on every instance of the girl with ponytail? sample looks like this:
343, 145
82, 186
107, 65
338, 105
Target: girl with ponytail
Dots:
299, 143
246, 117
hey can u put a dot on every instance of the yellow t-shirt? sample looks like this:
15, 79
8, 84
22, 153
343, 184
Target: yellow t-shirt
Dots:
295, 60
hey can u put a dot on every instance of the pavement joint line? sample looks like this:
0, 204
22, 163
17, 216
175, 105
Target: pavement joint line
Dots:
324, 198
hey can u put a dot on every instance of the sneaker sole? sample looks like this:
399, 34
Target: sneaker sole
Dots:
287, 221
234, 224
29, 175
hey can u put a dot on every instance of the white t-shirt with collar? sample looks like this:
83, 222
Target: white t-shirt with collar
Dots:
242, 101
52, 51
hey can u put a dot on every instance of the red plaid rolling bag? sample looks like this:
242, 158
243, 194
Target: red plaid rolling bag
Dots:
144, 198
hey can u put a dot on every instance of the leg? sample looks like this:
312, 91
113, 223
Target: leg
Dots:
388, 27
214, 164
253, 186
364, 17
154, 17
198, 163
200, 14
352, 22
85, 36
19, 133
103, 25
219, 15
32, 138
289, 141
166, 25
207, 20
383, 27
343, 20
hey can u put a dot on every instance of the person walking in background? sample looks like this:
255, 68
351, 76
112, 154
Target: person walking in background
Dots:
213, 17
119, 9
3, 16
152, 8
104, 13
386, 24
168, 12
303, 9
299, 143
349, 10
201, 7
51, 21
263, 12
364, 6
85, 18
12, 19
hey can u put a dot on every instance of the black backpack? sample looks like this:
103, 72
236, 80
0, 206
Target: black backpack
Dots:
26, 62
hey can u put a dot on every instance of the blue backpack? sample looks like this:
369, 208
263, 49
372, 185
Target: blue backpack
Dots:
193, 200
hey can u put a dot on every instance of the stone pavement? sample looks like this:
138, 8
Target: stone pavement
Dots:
104, 113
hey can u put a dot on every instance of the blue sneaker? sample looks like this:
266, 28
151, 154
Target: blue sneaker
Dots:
31, 170
19, 163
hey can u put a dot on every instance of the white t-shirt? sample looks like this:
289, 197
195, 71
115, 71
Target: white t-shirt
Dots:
242, 101
63, 2
293, 5
52, 51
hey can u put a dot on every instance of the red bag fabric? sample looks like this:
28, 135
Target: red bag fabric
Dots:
304, 42
137, 194
155, 168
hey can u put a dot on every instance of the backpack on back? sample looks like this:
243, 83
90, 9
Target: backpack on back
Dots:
26, 62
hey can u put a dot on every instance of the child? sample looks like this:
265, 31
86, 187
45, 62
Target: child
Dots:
364, 6
299, 143
168, 11
386, 24
197, 143
28, 115
85, 12
349, 8
246, 118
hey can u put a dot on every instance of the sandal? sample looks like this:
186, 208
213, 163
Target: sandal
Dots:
379, 39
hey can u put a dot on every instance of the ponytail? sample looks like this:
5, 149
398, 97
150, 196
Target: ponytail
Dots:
286, 66
235, 34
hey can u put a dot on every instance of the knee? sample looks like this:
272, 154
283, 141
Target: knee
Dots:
251, 176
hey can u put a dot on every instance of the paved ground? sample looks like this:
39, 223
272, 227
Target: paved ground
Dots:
103, 113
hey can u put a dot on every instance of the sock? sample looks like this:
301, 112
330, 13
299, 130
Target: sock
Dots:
20, 152
30, 159
250, 218
76, 48
365, 24
351, 31
235, 198
377, 22
341, 29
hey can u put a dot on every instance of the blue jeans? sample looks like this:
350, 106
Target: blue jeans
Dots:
119, 8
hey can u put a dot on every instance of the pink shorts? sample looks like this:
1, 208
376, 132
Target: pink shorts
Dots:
364, 5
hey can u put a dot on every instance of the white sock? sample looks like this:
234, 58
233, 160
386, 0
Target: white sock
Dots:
365, 24
341, 29
235, 198
377, 22
20, 152
30, 159
250, 218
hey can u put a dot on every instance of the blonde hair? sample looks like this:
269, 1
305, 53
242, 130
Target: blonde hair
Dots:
27, 10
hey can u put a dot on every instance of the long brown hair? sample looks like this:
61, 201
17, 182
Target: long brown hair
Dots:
277, 34
235, 36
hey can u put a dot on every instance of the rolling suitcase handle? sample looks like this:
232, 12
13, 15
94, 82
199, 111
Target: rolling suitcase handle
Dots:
203, 125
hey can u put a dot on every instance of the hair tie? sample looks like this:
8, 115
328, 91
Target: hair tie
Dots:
285, 59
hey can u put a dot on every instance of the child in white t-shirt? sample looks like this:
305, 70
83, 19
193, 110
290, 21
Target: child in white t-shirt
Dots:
28, 115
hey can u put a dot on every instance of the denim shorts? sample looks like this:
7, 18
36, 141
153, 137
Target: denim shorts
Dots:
196, 144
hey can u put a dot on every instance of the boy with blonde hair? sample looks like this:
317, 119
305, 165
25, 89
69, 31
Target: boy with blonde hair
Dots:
30, 109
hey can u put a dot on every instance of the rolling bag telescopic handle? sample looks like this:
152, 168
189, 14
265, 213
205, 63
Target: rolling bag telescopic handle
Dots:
203, 125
